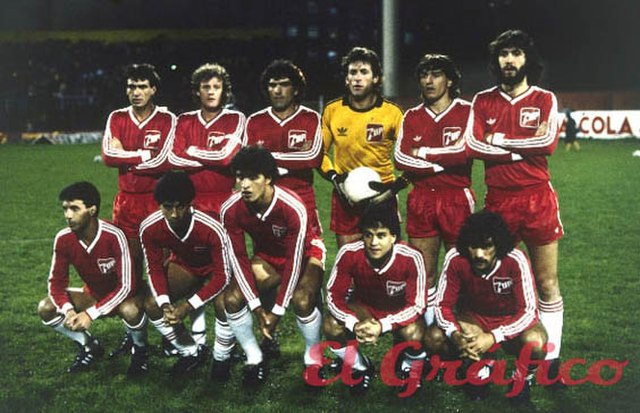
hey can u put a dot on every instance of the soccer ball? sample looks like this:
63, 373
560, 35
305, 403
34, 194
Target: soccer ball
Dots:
356, 185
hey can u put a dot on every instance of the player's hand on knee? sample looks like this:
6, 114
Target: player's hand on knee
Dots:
169, 315
182, 310
69, 317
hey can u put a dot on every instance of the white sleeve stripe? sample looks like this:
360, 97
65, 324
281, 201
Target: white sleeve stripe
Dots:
333, 309
442, 285
106, 143
168, 145
125, 288
539, 141
529, 295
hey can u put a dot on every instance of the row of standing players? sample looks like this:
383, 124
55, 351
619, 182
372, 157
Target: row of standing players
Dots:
511, 127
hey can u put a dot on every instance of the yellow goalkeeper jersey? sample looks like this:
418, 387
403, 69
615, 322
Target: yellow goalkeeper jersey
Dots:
360, 138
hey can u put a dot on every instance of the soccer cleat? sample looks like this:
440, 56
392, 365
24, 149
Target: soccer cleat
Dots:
411, 377
332, 369
524, 397
366, 377
220, 370
554, 372
270, 348
86, 356
254, 374
139, 361
168, 349
124, 347
187, 364
480, 392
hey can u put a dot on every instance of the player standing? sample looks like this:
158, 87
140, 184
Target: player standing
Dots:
362, 128
292, 133
513, 128
197, 269
487, 295
205, 142
100, 254
377, 286
137, 140
276, 221
431, 152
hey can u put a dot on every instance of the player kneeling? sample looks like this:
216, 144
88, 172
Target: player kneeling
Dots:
487, 295
195, 271
288, 259
100, 254
377, 285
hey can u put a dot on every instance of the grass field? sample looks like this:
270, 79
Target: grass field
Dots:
599, 190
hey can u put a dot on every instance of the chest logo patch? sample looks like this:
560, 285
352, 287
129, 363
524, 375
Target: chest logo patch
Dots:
451, 135
106, 265
530, 118
375, 132
215, 139
395, 288
279, 231
297, 139
151, 139
502, 285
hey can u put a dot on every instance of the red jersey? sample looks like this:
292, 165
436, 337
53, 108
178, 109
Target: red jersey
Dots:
281, 231
146, 146
295, 143
207, 148
203, 250
525, 132
507, 292
441, 161
104, 266
399, 288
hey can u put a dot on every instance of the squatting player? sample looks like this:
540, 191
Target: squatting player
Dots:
276, 221
196, 271
100, 254
513, 128
432, 151
487, 295
205, 142
292, 133
362, 128
377, 285
137, 141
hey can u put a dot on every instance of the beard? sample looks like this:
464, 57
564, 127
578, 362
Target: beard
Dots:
512, 80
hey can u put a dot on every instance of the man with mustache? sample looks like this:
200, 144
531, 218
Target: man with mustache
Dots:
486, 296
513, 128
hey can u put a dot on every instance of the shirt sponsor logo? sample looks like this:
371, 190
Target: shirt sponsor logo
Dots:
106, 265
530, 118
279, 231
151, 139
297, 139
215, 139
395, 288
451, 135
502, 285
375, 132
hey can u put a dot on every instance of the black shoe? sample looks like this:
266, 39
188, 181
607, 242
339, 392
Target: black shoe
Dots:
86, 356
168, 349
254, 374
139, 361
124, 347
410, 377
237, 355
554, 373
478, 393
367, 376
524, 397
220, 370
332, 369
270, 348
186, 364
204, 351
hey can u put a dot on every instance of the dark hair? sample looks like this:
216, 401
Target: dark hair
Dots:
280, 69
381, 216
481, 226
253, 161
362, 54
174, 186
211, 70
520, 40
84, 191
445, 63
143, 71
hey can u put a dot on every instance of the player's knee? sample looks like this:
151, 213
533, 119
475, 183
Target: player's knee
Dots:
332, 328
151, 307
413, 332
303, 301
130, 311
548, 287
536, 340
234, 301
46, 309
434, 339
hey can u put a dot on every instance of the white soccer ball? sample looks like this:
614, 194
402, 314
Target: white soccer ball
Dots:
356, 186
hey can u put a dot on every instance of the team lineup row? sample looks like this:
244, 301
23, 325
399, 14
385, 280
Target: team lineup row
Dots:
377, 283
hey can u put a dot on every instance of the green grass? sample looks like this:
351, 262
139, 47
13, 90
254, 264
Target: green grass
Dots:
599, 191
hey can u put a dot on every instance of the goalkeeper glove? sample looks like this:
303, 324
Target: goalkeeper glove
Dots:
387, 190
337, 180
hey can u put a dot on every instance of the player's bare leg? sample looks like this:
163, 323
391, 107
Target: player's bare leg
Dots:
544, 263
267, 282
430, 248
305, 297
523, 375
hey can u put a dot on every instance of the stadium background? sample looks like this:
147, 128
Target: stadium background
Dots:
59, 70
